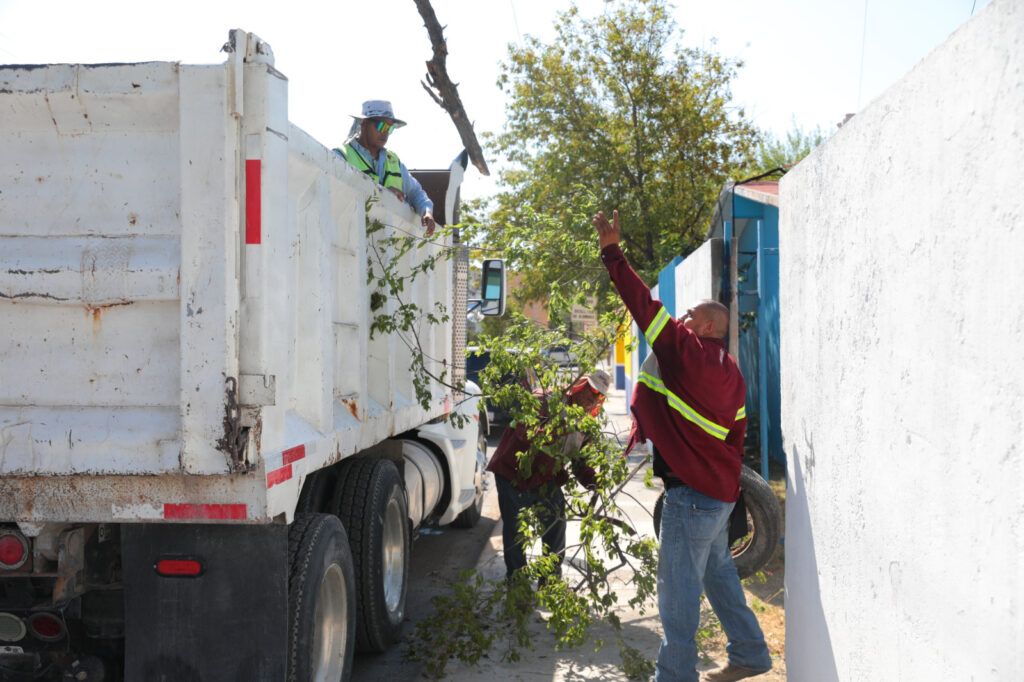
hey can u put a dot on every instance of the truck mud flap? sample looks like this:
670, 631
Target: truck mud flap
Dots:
227, 623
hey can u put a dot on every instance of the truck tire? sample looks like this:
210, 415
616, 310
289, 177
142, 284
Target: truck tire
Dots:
470, 516
764, 518
370, 501
321, 600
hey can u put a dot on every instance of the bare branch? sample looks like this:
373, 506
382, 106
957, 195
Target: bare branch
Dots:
432, 95
437, 76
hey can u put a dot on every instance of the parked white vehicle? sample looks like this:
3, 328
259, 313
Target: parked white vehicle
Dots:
209, 468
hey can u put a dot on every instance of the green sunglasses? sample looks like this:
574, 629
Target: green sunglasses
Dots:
383, 126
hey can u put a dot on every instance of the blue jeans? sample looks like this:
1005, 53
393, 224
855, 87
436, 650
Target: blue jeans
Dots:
694, 559
511, 501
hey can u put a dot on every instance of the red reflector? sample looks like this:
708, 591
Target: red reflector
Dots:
12, 551
253, 219
180, 567
293, 454
204, 511
47, 627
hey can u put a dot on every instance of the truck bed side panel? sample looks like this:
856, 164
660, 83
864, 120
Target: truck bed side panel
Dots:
184, 297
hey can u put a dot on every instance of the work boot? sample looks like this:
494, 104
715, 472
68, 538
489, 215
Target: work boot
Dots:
732, 672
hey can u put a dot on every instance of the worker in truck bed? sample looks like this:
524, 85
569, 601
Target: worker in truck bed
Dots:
365, 150
689, 402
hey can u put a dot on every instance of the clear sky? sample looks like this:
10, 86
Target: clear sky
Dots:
807, 62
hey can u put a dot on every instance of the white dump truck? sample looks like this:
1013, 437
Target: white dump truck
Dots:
210, 468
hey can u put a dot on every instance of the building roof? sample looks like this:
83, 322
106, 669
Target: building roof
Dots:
762, 191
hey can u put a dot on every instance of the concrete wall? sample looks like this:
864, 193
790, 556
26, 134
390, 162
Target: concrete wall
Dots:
902, 241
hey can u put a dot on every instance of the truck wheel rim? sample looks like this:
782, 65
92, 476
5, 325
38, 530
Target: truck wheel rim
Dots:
331, 632
394, 555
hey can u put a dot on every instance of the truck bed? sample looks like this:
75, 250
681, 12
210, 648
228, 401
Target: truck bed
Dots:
184, 307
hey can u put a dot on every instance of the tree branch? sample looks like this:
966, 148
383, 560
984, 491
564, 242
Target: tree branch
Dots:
447, 92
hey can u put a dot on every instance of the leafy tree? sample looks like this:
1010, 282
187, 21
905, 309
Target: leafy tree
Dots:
612, 113
478, 616
776, 152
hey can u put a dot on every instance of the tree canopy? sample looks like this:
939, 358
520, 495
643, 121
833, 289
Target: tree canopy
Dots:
613, 113
776, 152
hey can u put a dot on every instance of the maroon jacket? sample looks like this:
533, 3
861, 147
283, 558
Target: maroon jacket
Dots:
516, 439
693, 412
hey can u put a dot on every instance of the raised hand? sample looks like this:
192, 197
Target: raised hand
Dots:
608, 233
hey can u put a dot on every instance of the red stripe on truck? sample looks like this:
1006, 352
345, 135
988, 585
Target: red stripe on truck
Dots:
293, 454
284, 472
279, 476
204, 511
253, 218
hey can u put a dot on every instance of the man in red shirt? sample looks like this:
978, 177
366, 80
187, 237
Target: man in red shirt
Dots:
689, 402
520, 487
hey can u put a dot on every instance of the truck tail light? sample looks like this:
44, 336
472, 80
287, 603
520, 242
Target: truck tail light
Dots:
179, 567
46, 626
13, 549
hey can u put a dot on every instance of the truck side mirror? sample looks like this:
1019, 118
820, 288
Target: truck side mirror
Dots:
492, 287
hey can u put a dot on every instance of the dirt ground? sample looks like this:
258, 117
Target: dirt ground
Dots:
765, 594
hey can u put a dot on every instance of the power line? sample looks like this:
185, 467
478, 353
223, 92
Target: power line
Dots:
863, 44
515, 21
4, 39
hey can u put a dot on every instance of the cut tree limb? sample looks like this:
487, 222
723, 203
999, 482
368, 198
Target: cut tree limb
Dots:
447, 96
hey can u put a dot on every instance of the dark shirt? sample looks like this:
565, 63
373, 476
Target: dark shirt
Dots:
702, 378
543, 469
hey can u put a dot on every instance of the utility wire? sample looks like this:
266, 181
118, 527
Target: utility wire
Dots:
863, 43
515, 21
6, 39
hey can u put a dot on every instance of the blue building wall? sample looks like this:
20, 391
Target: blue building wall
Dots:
758, 266
666, 293
760, 318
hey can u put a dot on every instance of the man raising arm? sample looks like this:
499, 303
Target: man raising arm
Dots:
689, 403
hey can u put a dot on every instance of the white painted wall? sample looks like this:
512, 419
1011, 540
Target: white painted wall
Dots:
697, 276
902, 245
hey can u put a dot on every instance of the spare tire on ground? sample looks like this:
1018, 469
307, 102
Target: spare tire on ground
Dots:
751, 551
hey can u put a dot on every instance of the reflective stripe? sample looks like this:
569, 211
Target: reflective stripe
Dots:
659, 322
677, 403
741, 413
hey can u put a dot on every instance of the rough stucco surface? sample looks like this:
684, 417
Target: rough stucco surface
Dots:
902, 298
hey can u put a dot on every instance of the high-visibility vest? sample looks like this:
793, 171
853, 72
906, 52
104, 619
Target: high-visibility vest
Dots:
392, 166
650, 376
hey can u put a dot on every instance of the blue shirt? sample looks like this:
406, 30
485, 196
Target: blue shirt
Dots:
415, 195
